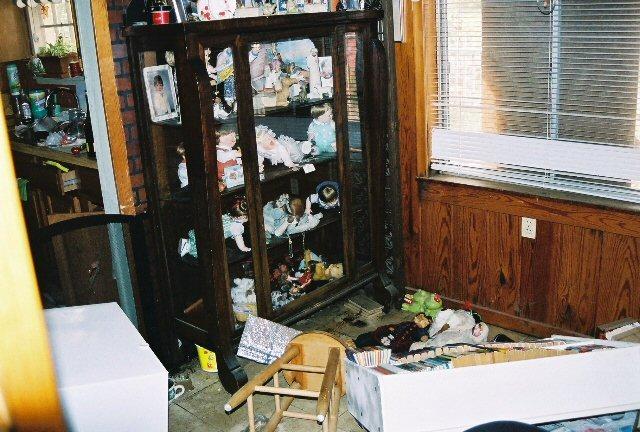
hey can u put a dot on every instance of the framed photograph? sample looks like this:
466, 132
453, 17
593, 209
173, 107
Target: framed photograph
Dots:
161, 92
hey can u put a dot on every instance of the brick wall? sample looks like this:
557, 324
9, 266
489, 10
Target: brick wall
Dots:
127, 104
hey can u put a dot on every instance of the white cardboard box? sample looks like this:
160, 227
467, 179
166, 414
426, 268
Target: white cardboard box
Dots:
531, 391
108, 378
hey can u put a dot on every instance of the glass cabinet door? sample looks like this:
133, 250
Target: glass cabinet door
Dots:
169, 167
292, 87
224, 158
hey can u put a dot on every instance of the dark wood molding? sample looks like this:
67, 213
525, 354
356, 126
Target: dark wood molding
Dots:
563, 211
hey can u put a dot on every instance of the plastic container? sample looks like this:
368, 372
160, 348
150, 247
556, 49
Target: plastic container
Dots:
208, 361
37, 99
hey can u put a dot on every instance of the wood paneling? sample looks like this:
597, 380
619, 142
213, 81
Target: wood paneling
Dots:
15, 33
570, 278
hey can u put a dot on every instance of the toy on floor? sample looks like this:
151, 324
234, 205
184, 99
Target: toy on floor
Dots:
312, 366
399, 337
423, 302
455, 326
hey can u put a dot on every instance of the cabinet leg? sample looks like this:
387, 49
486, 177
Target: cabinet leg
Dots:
231, 374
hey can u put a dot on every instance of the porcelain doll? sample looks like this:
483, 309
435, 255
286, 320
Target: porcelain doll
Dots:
286, 216
327, 197
270, 148
298, 150
182, 167
232, 226
226, 154
322, 129
313, 66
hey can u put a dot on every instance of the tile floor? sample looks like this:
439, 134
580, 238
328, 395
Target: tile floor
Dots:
201, 408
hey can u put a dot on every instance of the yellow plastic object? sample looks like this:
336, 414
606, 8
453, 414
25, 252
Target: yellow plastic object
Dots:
208, 361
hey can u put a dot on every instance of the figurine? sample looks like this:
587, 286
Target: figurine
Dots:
226, 155
257, 63
422, 301
322, 129
335, 271
286, 216
313, 66
282, 95
270, 148
398, 337
182, 166
327, 197
224, 73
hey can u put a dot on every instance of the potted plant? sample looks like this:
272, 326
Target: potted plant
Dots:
56, 58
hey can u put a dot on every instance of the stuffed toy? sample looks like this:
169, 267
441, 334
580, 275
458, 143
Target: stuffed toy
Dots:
398, 337
455, 326
243, 296
335, 271
423, 302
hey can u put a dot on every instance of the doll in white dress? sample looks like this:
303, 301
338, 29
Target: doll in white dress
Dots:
270, 148
182, 167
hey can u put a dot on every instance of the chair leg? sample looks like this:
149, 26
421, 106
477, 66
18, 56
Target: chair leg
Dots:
334, 410
252, 419
276, 384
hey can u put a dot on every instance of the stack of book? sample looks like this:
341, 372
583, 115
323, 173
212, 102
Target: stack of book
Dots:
364, 307
370, 356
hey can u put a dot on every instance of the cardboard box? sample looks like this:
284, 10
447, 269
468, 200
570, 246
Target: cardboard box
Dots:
108, 378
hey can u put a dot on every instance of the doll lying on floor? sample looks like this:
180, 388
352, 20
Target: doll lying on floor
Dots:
399, 337
454, 326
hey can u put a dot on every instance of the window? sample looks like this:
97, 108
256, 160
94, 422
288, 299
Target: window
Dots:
540, 93
49, 21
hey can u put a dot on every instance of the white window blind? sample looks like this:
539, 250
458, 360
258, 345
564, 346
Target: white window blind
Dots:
540, 93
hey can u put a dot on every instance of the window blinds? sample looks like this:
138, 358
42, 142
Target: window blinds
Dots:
537, 98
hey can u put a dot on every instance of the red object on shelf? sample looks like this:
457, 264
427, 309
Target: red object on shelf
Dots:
161, 15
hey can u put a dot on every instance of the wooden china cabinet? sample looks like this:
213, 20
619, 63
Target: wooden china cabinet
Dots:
262, 82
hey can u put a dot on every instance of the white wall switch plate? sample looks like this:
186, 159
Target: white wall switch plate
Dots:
528, 228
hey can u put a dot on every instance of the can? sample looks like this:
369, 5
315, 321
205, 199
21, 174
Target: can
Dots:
38, 102
161, 14
14, 79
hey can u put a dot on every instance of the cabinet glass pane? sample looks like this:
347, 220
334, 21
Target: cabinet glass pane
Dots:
225, 149
358, 172
169, 154
292, 85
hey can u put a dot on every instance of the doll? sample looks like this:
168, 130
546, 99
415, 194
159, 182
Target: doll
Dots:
232, 225
218, 110
298, 150
313, 66
322, 129
270, 148
286, 216
243, 296
398, 337
327, 197
226, 155
182, 167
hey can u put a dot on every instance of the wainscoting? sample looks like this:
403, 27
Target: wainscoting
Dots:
583, 268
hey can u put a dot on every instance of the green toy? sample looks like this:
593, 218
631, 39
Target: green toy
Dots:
422, 302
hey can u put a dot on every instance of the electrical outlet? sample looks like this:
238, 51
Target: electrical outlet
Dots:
528, 228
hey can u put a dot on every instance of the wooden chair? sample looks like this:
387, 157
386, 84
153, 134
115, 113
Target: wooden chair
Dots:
312, 366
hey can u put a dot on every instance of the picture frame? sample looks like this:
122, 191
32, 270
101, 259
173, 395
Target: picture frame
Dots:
161, 93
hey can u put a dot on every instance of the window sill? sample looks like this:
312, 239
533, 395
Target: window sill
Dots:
568, 197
